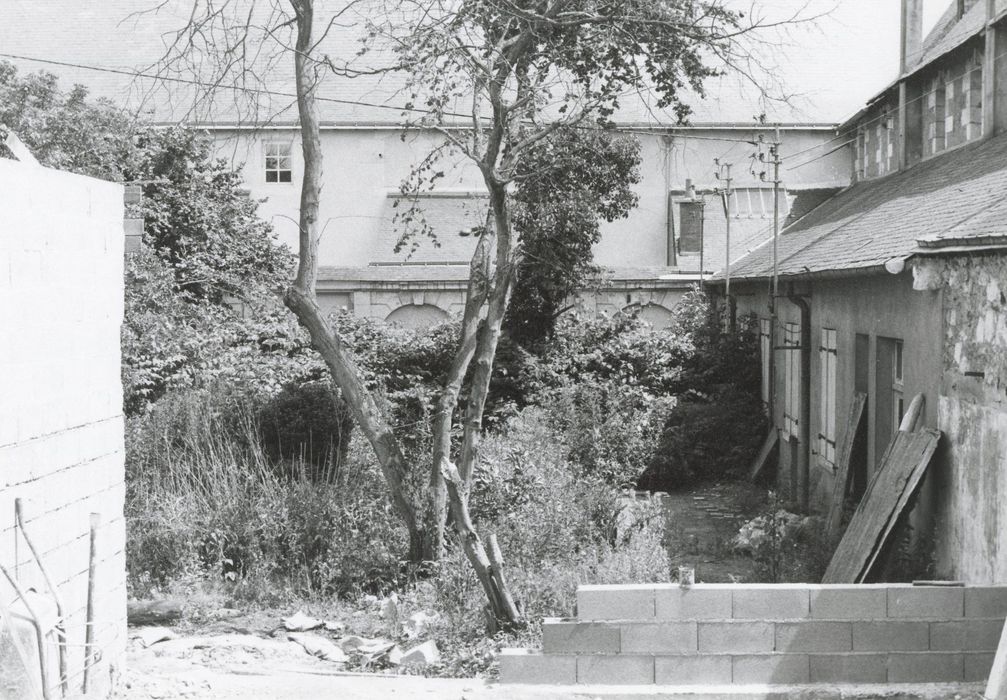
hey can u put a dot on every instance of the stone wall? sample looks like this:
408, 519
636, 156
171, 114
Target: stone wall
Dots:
61, 425
972, 414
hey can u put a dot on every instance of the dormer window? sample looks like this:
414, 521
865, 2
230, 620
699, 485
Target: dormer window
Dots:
278, 161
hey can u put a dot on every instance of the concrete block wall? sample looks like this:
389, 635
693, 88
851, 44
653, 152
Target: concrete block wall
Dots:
61, 424
767, 635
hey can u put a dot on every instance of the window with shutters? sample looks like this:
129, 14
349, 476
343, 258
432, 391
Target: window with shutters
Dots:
827, 357
690, 216
792, 379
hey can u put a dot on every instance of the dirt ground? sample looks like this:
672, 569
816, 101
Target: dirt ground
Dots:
703, 521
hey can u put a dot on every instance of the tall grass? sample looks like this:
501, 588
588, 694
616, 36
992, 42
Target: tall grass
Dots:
204, 501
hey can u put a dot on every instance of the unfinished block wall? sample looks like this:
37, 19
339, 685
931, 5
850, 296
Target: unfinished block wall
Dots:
724, 634
61, 425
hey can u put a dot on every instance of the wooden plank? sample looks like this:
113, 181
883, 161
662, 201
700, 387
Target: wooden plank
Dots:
892, 487
759, 463
996, 686
844, 454
912, 485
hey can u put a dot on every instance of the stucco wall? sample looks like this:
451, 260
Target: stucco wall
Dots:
879, 306
61, 426
362, 165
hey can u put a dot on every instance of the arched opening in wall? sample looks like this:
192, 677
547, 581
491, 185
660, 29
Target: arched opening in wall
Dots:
655, 314
417, 316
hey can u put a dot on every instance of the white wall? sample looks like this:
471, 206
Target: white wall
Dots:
61, 425
362, 165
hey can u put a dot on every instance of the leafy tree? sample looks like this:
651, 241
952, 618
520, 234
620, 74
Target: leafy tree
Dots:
566, 185
201, 221
65, 130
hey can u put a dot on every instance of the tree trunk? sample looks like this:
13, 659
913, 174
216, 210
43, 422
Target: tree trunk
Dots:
300, 297
488, 569
434, 524
489, 335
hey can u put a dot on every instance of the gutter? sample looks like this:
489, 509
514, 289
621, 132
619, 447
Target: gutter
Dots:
807, 276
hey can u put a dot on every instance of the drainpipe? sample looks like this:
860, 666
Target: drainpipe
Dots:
803, 487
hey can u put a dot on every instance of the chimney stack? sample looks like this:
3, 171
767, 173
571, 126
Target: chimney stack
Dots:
912, 33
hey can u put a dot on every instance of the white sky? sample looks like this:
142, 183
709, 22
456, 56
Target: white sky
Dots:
833, 67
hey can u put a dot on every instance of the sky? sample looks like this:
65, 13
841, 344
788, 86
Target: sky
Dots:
831, 66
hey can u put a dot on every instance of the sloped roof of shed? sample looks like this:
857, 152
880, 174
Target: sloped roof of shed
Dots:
959, 198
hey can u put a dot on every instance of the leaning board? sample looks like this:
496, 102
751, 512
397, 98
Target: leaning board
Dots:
889, 492
842, 478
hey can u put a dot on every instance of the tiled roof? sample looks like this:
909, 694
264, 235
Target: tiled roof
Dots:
956, 198
949, 33
446, 215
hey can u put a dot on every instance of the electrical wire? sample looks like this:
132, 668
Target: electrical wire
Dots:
334, 100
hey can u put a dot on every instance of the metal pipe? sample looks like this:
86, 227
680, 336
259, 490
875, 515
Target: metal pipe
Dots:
60, 622
802, 490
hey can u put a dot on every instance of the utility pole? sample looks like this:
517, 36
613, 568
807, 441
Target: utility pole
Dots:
776, 161
723, 174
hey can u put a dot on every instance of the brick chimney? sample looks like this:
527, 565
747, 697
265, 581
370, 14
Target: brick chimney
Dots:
912, 33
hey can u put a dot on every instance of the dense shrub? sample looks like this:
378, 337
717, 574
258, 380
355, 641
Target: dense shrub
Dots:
307, 424
718, 421
705, 438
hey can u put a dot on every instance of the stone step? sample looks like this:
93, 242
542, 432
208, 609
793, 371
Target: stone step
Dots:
734, 636
528, 667
789, 602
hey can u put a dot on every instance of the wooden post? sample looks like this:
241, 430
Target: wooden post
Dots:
92, 565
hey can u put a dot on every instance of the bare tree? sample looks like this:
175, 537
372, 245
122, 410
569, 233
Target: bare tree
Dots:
493, 78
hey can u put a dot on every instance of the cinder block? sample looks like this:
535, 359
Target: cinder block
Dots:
977, 667
587, 637
622, 669
615, 602
736, 637
848, 668
659, 637
771, 603
849, 603
927, 602
808, 636
986, 602
966, 635
926, 667
693, 669
891, 635
694, 603
523, 666
775, 669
